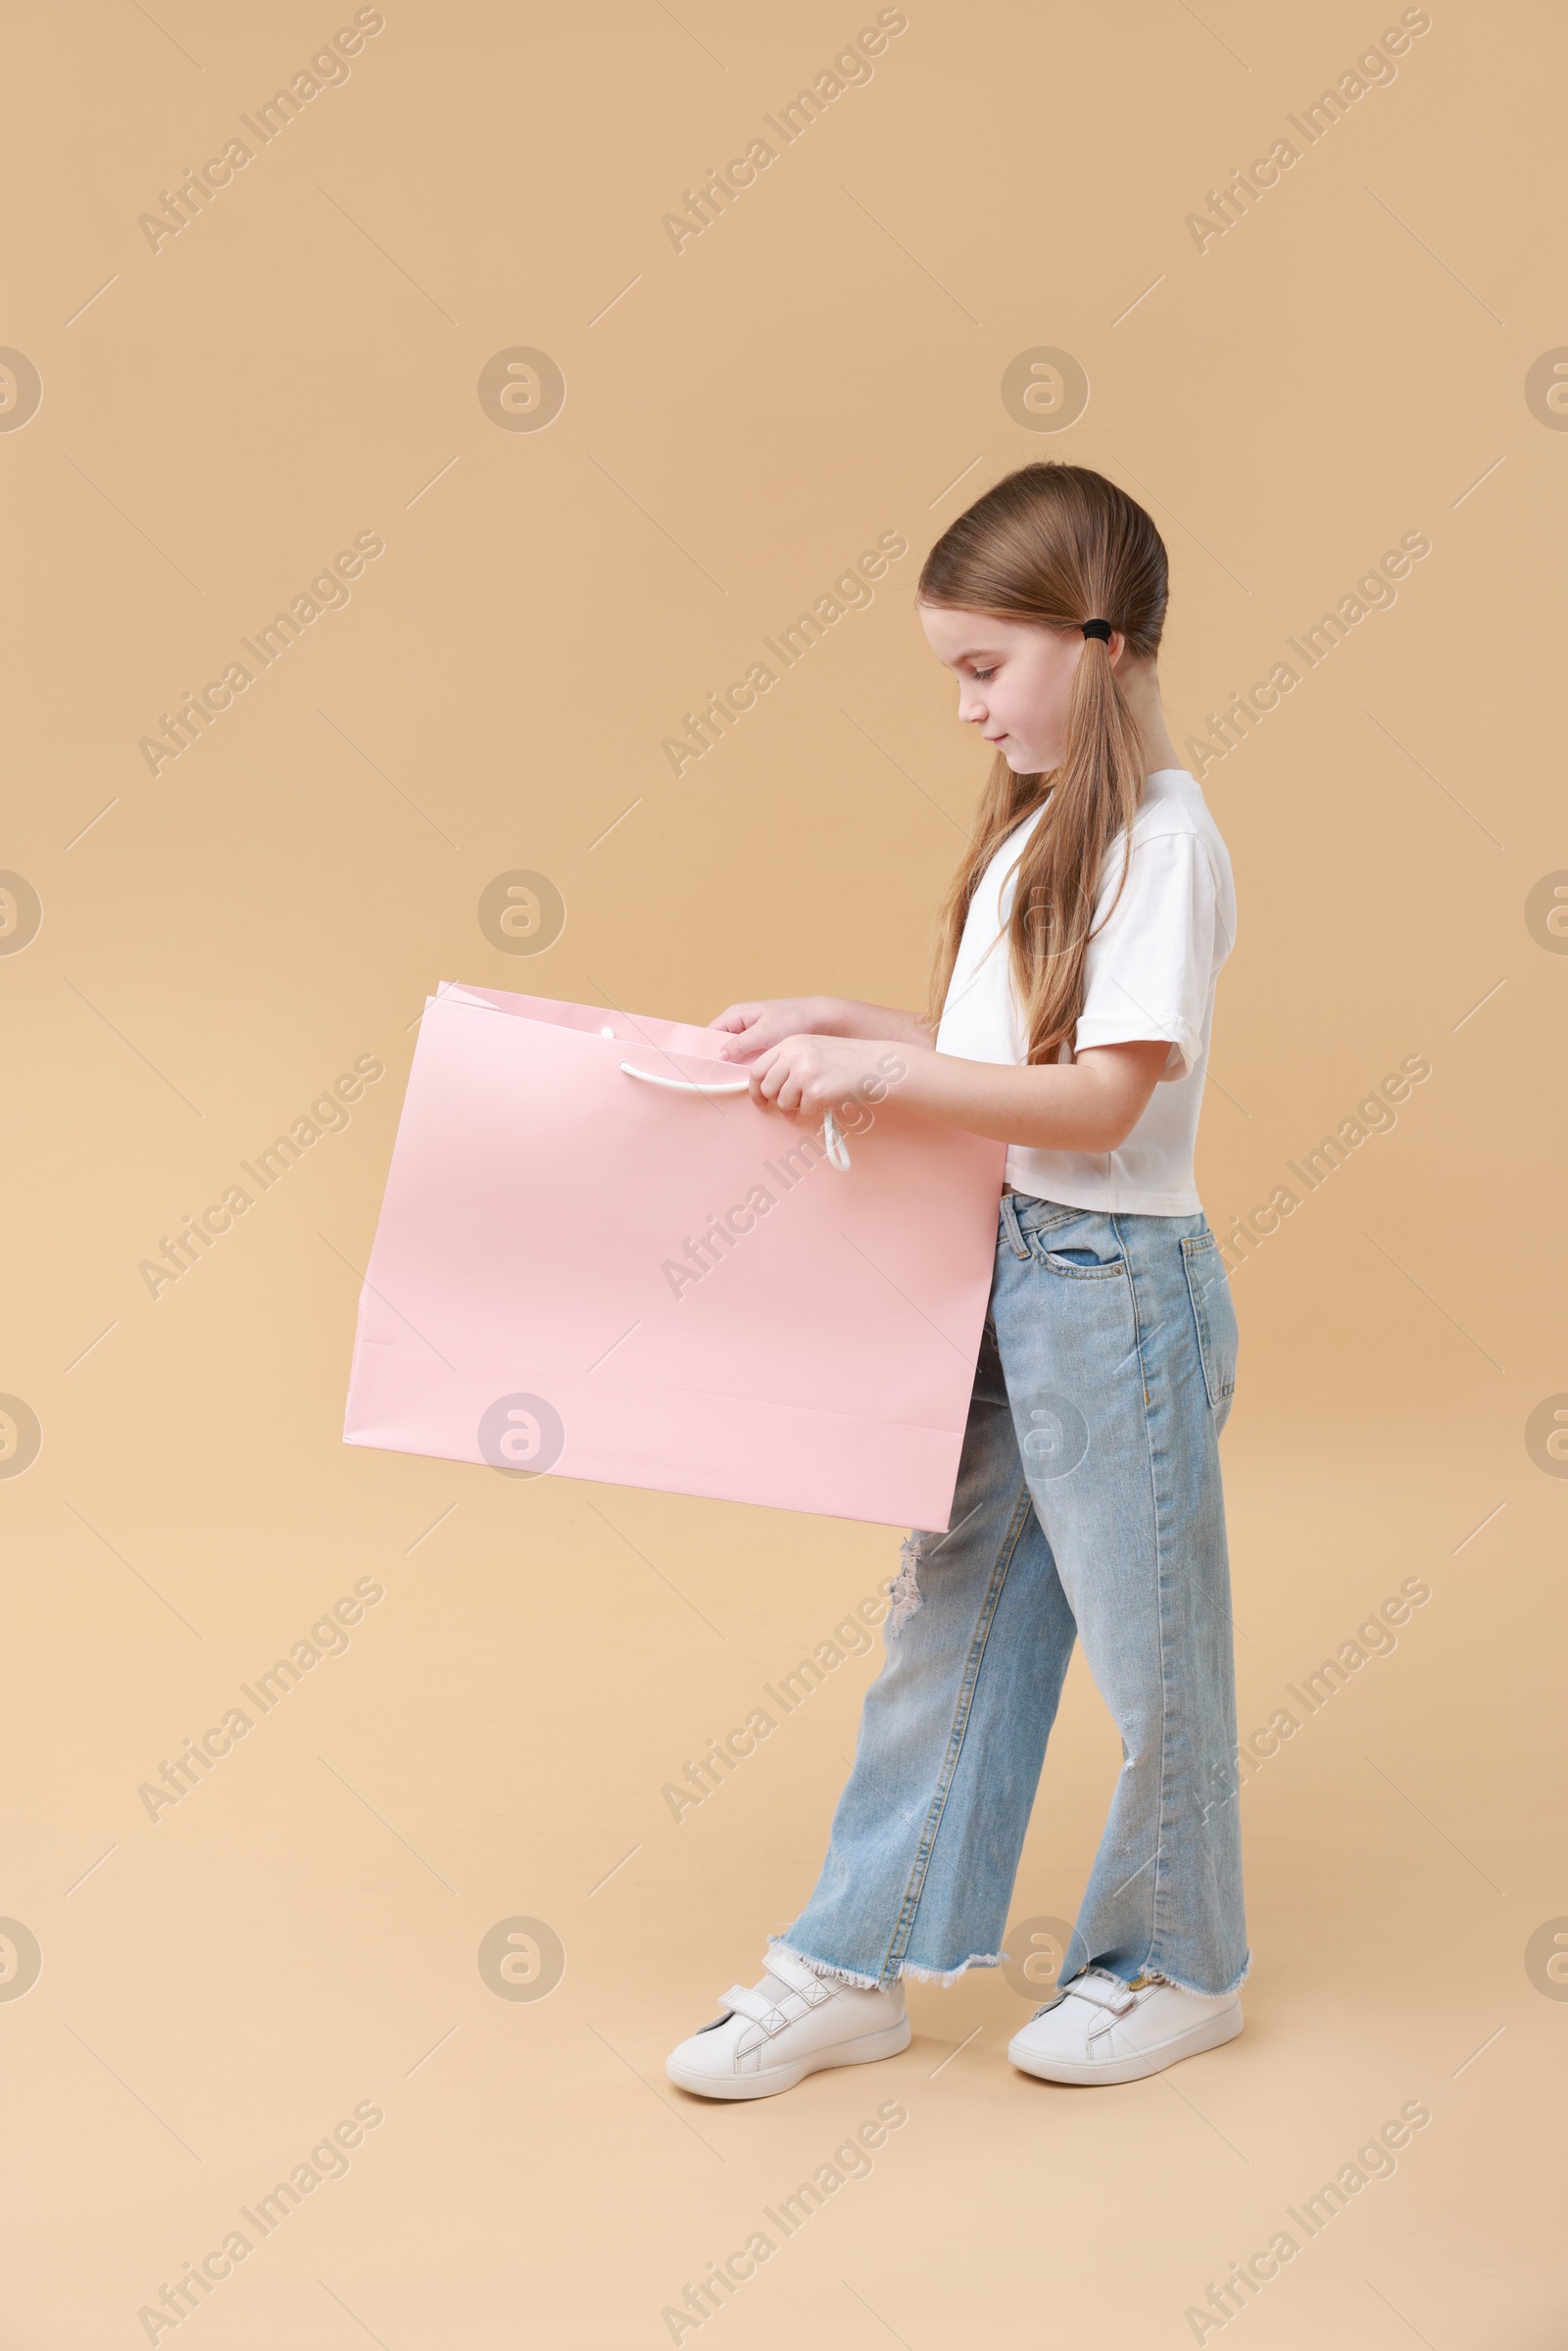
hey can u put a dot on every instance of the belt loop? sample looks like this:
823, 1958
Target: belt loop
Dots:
1015, 1230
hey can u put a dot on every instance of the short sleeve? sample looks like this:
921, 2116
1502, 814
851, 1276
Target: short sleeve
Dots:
1148, 970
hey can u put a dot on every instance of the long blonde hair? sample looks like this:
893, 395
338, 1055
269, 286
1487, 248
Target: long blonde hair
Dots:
1054, 545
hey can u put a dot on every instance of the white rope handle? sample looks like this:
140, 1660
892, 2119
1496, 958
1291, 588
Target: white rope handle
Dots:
687, 1085
838, 1151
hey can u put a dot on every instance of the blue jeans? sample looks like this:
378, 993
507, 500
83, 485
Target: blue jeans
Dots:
1088, 1502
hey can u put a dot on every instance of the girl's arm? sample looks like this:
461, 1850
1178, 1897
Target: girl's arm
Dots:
758, 1027
1090, 1105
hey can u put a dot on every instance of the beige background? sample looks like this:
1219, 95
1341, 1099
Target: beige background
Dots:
299, 1933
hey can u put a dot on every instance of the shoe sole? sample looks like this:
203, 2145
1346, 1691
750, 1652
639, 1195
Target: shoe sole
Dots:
1190, 2044
772, 2079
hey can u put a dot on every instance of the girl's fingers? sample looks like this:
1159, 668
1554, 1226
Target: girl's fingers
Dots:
775, 1083
751, 1034
780, 1089
790, 1093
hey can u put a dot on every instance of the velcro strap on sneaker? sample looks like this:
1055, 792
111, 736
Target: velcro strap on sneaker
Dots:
751, 2005
1103, 1991
787, 1969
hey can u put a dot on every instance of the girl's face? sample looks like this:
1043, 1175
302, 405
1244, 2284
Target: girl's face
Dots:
1013, 678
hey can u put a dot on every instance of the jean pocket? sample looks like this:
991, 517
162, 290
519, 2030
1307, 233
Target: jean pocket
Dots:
1083, 1264
1214, 1314
1081, 1244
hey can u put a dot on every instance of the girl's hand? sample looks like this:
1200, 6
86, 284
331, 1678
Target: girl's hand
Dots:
804, 1076
756, 1027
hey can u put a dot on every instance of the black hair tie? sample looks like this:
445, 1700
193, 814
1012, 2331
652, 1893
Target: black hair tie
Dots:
1096, 628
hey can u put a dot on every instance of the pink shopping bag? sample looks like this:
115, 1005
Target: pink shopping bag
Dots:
597, 1259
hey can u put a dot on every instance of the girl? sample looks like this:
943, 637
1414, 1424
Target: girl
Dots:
1071, 1016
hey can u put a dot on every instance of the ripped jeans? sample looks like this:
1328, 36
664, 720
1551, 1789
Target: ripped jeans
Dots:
1087, 1503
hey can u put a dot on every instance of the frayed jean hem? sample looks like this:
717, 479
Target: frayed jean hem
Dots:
950, 1975
908, 1968
1197, 1991
1154, 1975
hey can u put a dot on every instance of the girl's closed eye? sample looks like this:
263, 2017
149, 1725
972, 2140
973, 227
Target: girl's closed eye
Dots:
983, 678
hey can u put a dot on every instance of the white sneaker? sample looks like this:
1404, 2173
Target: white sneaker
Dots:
1099, 2030
792, 2023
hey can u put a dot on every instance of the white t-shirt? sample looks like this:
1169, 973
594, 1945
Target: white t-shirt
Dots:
1149, 974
